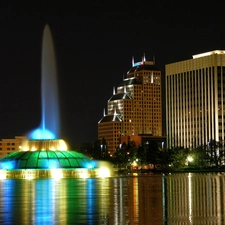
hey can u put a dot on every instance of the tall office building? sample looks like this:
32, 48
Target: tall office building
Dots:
195, 111
135, 109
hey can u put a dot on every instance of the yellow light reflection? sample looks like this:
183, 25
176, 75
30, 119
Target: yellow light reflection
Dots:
190, 197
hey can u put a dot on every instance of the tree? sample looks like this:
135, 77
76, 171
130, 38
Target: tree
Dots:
120, 156
200, 156
141, 154
153, 154
104, 150
97, 150
214, 153
177, 157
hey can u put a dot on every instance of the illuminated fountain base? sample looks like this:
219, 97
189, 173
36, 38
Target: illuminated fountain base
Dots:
55, 144
49, 162
53, 173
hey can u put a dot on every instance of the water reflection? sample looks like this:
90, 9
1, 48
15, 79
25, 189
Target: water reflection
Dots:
195, 199
141, 200
118, 200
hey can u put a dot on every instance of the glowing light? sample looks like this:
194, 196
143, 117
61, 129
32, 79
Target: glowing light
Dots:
190, 158
41, 134
208, 53
53, 145
90, 165
25, 149
2, 174
7, 165
53, 164
62, 145
134, 163
103, 172
56, 173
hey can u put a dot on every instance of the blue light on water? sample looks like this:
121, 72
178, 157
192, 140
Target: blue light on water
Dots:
41, 134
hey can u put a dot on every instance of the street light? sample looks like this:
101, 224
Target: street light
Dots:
190, 159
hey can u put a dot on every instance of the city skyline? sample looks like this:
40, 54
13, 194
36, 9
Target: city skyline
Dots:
91, 46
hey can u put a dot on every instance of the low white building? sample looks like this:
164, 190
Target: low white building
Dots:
8, 146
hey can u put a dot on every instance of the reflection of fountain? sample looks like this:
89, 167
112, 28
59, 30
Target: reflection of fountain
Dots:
44, 155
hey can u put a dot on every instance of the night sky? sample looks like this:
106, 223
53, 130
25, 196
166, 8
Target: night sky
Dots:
94, 44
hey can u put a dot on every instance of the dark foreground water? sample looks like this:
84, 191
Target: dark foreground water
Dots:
177, 199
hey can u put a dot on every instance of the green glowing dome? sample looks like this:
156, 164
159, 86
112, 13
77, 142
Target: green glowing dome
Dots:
45, 159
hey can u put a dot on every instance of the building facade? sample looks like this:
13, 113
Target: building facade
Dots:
135, 107
8, 146
195, 104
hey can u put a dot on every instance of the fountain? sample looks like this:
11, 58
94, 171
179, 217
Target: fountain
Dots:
44, 155
49, 127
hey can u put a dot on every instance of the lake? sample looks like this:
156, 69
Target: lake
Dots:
142, 199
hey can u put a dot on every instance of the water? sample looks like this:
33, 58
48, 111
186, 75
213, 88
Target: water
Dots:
49, 127
142, 200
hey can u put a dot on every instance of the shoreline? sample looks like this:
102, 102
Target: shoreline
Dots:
165, 171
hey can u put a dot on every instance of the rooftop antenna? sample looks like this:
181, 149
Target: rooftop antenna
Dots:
144, 59
114, 92
132, 61
104, 112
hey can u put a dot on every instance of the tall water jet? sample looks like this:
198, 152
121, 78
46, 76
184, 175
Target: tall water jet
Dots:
49, 127
44, 155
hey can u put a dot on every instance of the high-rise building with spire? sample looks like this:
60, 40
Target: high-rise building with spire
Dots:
135, 108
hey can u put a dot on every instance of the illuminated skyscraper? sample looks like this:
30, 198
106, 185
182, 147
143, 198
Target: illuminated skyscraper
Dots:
195, 111
135, 109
